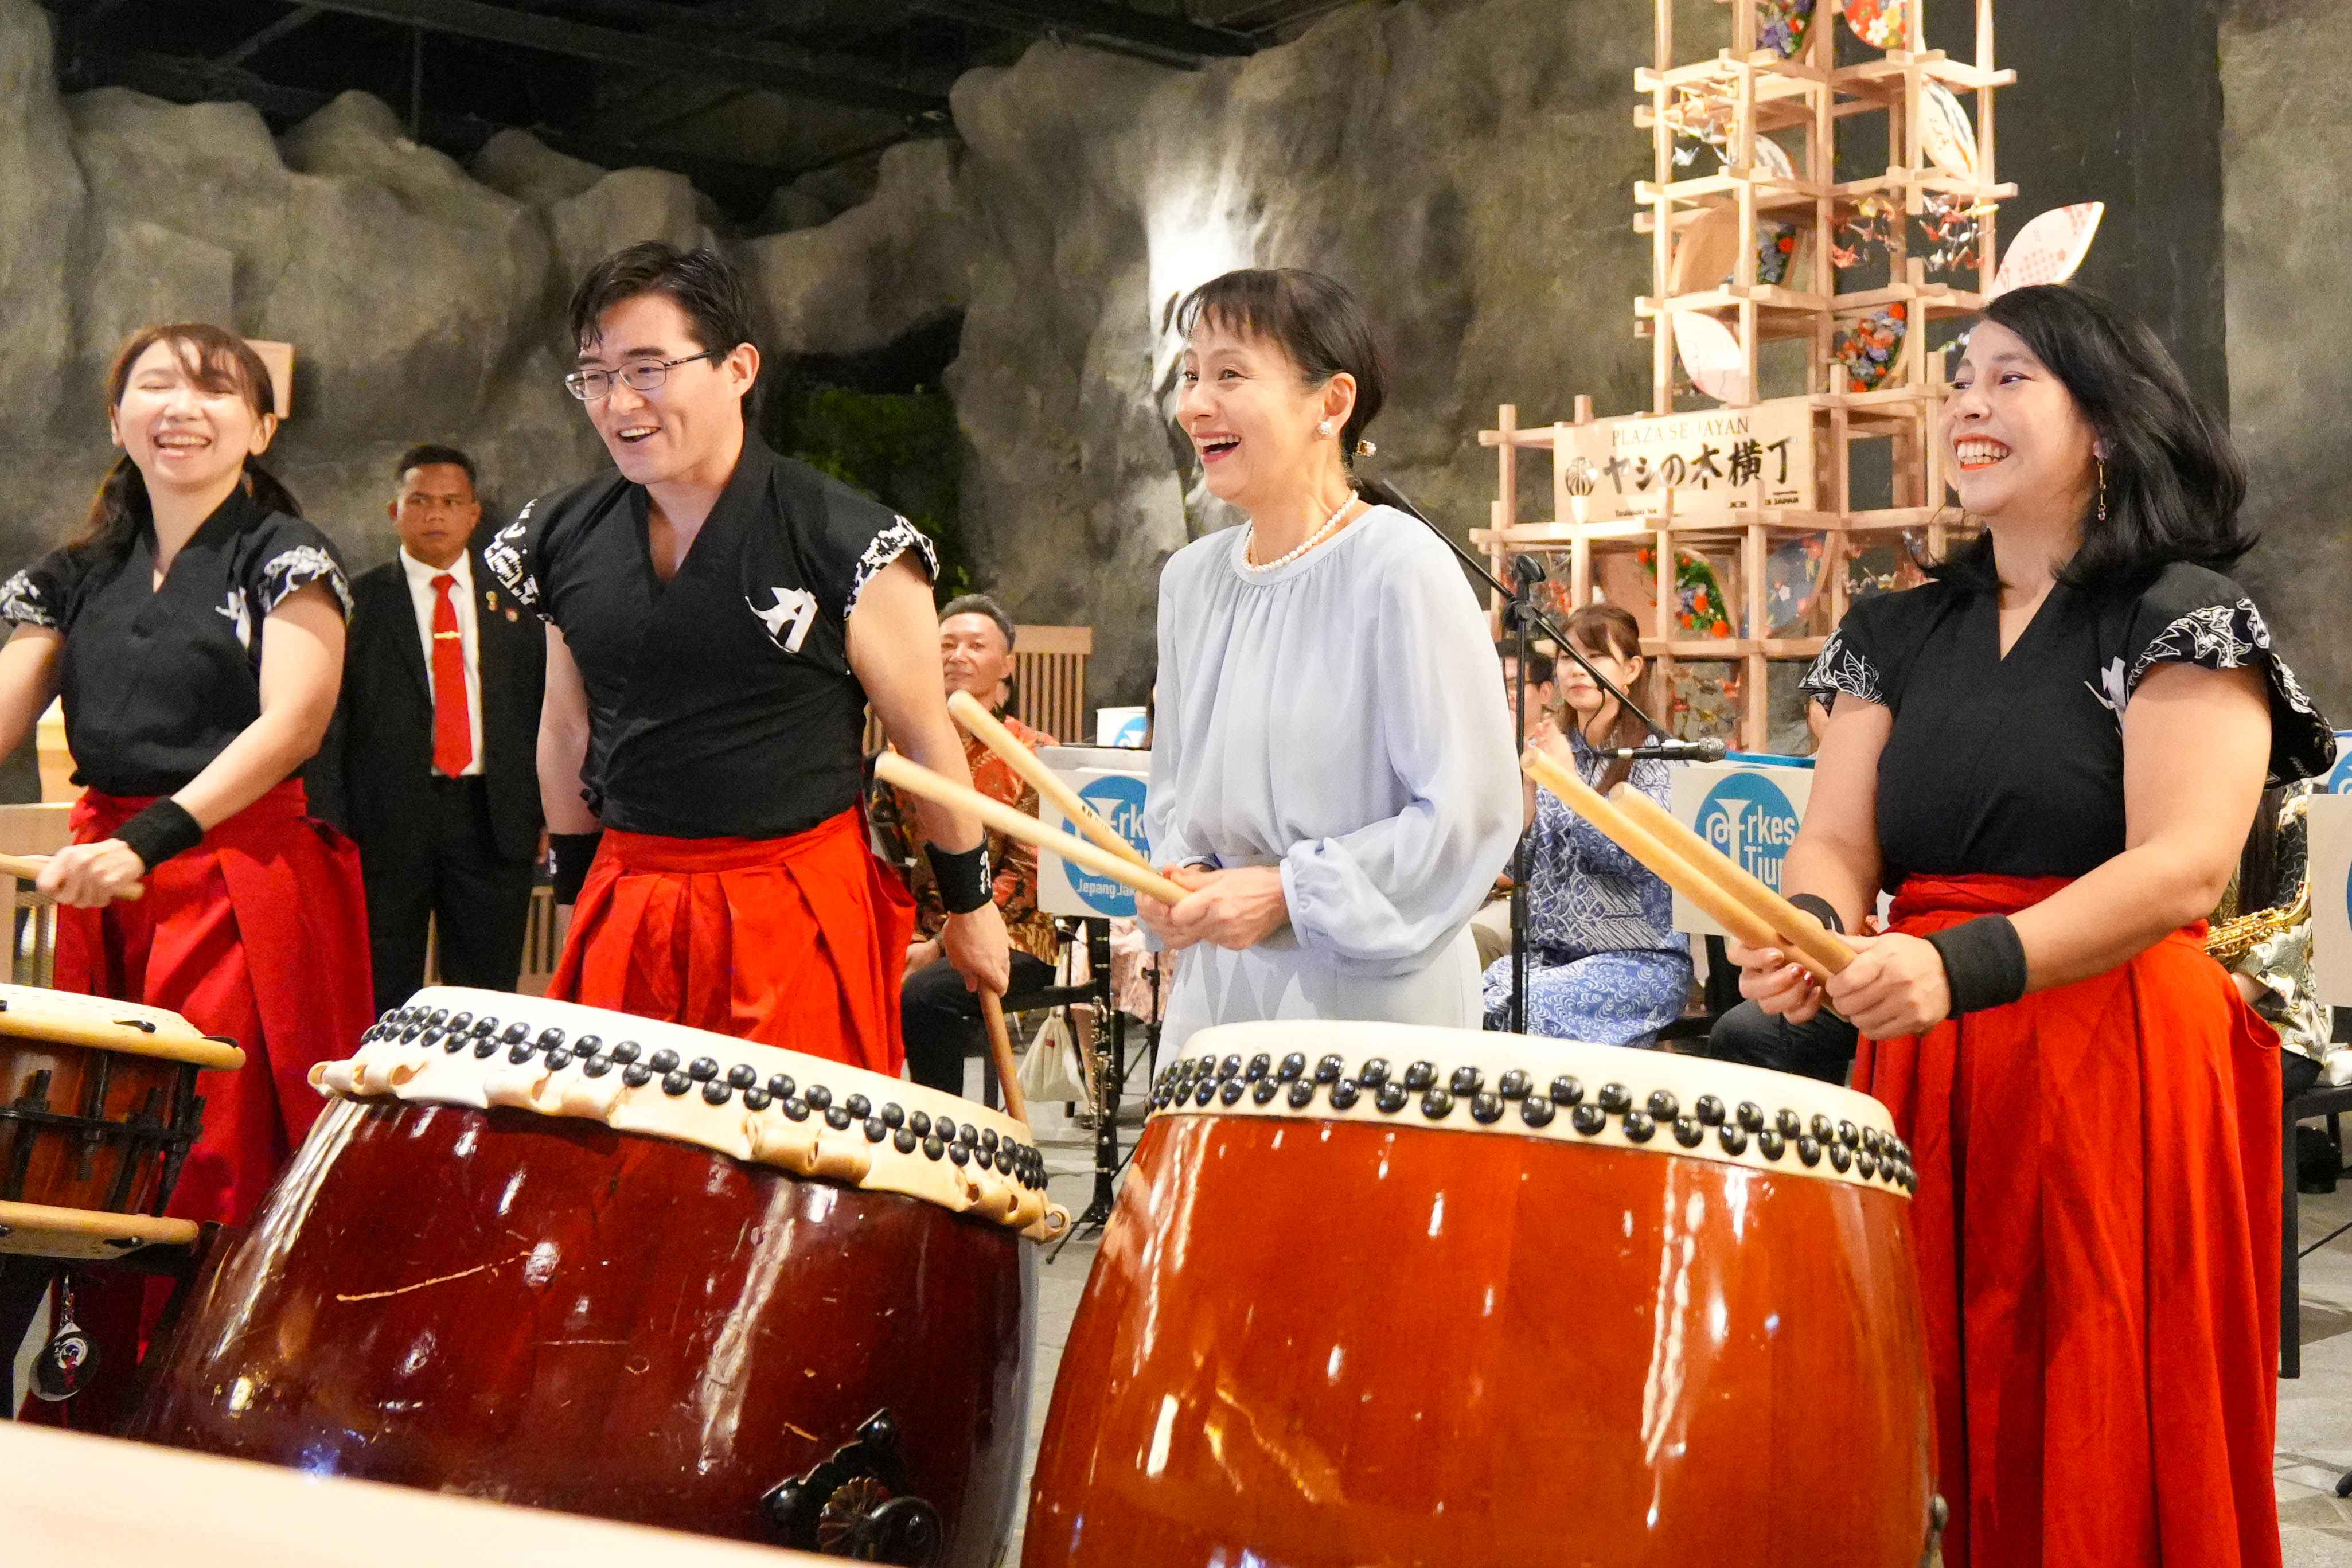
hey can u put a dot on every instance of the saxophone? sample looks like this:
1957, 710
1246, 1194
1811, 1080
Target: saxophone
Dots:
2232, 939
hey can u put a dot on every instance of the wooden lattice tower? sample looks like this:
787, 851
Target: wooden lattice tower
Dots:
1738, 96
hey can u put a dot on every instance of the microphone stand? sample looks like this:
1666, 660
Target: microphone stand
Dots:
1519, 615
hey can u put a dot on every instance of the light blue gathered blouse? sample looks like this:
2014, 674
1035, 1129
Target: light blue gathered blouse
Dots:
1342, 717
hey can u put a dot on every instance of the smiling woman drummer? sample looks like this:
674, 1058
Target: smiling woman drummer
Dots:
193, 627
1330, 774
2052, 753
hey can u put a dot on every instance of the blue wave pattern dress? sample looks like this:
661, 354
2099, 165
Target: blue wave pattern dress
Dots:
1604, 961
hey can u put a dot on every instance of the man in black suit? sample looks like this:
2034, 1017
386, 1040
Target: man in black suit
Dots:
434, 757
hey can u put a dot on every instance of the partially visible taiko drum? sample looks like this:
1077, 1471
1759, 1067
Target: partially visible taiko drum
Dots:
98, 1107
547, 1254
1378, 1294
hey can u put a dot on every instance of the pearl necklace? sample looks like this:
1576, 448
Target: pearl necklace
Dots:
1309, 542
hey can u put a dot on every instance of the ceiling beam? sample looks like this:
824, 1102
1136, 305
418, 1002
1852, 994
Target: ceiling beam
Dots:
1100, 19
261, 40
767, 66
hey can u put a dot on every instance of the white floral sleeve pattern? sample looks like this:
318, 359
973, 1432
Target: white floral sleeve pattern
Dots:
887, 546
2235, 637
298, 568
504, 555
24, 604
1841, 669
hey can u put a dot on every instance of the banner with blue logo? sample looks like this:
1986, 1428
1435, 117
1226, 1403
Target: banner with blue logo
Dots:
2331, 897
1749, 814
1113, 783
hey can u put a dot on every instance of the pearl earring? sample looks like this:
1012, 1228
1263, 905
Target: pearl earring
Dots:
1324, 428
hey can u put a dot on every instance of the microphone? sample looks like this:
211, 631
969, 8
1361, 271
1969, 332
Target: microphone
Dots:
1710, 750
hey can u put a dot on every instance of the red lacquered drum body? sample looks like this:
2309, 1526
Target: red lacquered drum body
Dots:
1315, 1338
537, 1306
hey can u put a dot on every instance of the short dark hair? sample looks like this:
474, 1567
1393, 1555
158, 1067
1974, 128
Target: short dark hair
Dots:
1318, 322
980, 604
702, 283
2174, 480
1541, 669
429, 452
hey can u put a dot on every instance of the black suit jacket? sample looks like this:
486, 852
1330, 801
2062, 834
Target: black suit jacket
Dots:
375, 777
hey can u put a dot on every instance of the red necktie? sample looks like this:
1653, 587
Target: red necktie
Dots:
453, 730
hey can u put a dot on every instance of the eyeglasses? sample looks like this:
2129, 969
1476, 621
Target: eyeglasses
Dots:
594, 385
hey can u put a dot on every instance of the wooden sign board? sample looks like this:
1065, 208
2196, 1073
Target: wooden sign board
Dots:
279, 358
1709, 461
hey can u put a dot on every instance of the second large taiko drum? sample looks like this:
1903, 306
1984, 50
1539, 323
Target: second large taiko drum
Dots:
1378, 1294
545, 1254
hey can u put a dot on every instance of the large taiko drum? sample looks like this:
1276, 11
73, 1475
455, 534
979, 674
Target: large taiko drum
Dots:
1380, 1294
546, 1254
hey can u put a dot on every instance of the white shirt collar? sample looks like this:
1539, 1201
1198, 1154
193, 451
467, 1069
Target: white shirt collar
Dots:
422, 575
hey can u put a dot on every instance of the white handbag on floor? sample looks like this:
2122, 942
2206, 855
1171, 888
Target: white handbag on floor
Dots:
1050, 1068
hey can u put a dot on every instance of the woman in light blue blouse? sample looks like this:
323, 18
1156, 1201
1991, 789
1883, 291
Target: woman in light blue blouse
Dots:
1330, 774
1604, 961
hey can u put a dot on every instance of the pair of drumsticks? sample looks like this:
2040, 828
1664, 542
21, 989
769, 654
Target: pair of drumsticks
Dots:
1102, 851
1731, 896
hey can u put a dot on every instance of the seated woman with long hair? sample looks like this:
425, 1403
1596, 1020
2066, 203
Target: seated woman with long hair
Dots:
1604, 961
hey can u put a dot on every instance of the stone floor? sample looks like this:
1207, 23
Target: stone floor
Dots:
2314, 1437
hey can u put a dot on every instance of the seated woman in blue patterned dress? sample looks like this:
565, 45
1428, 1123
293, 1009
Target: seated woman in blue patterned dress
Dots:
1604, 964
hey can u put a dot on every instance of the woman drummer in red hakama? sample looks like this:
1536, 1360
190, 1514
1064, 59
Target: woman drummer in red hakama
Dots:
2051, 753
194, 630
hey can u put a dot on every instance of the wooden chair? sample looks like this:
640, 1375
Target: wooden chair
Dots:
1050, 663
2331, 1101
33, 830
1049, 668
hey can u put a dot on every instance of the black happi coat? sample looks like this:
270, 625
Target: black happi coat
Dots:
722, 704
2014, 766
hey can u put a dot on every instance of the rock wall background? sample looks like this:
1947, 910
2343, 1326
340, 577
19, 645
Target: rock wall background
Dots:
1464, 164
2287, 148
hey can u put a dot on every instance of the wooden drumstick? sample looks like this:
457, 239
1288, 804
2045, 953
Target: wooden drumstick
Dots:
28, 868
1000, 1048
916, 779
992, 734
1798, 928
1669, 867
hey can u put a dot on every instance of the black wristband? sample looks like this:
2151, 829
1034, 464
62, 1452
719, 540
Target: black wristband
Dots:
961, 877
569, 856
1820, 908
163, 830
1984, 962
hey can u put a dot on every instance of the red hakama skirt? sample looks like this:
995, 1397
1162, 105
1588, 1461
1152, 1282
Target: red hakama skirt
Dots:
2098, 1215
258, 935
799, 942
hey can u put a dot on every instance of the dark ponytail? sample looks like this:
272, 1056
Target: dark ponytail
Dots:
267, 491
218, 361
